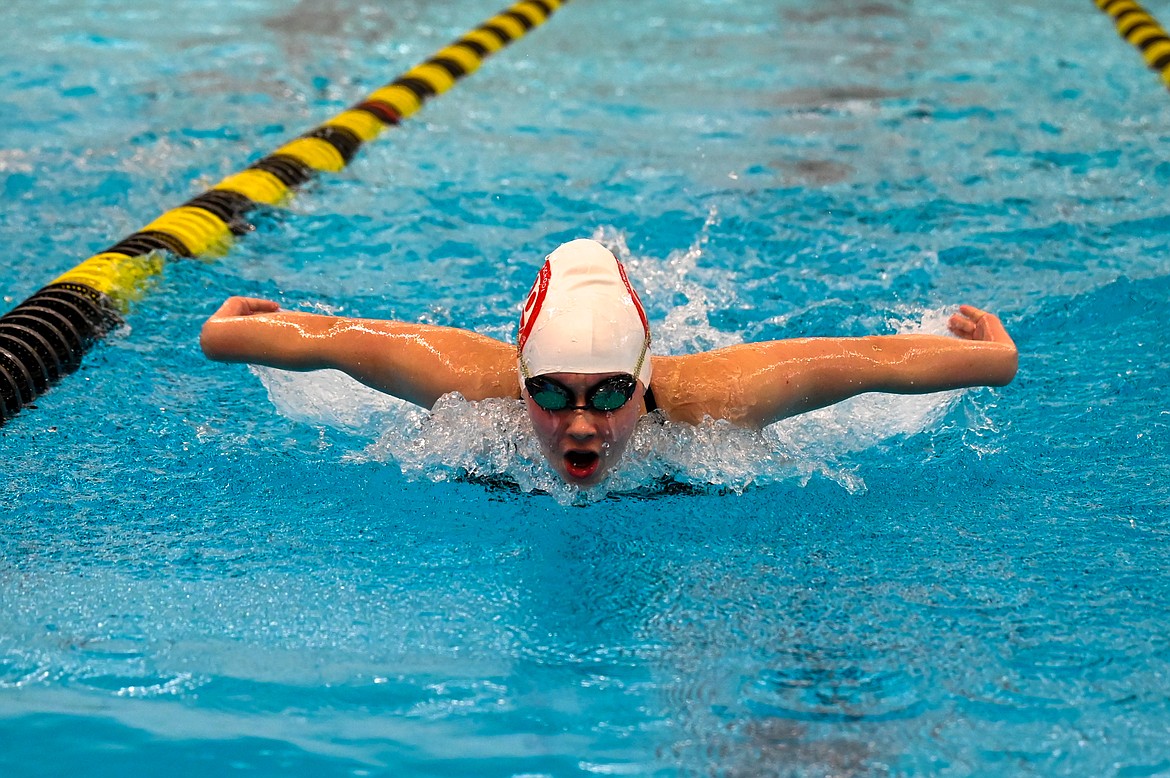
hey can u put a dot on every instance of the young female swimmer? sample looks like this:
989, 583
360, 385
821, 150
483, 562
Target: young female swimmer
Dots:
583, 367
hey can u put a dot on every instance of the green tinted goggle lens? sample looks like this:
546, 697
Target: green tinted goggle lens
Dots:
607, 396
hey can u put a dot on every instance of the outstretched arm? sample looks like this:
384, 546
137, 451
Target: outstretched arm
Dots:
418, 363
760, 383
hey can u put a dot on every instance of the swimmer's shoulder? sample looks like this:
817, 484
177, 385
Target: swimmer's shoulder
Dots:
692, 387
718, 384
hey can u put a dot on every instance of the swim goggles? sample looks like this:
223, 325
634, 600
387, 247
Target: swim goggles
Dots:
606, 396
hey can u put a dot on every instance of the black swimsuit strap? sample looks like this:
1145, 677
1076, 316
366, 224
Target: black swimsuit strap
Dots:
651, 405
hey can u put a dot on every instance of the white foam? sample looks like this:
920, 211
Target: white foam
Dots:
330, 398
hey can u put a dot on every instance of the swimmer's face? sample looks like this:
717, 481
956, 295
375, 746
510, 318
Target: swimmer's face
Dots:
583, 444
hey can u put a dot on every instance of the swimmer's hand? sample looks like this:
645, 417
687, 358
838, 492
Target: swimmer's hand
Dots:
231, 335
244, 306
970, 323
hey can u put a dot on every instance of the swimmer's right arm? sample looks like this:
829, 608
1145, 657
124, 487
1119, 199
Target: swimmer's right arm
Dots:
756, 384
418, 363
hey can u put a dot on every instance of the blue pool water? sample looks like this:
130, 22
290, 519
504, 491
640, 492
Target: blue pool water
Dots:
206, 569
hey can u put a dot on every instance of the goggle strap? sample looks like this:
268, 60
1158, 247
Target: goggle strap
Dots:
642, 357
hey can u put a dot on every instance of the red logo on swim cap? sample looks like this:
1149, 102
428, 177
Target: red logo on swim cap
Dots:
532, 304
634, 297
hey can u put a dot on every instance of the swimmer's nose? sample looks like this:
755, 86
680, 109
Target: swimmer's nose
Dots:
581, 427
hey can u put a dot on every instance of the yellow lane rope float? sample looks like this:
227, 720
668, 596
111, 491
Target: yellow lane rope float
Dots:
45, 336
1136, 25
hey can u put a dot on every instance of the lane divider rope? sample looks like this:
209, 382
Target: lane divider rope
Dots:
45, 337
1142, 31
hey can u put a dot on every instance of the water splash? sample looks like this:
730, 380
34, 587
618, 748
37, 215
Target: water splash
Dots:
330, 398
679, 295
492, 440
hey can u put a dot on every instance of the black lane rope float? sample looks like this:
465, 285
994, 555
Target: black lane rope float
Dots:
45, 337
1136, 26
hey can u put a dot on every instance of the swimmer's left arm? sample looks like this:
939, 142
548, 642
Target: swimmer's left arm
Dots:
757, 384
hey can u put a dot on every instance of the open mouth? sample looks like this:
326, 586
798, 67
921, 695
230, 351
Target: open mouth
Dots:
581, 464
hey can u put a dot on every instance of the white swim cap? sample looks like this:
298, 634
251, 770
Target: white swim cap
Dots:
582, 316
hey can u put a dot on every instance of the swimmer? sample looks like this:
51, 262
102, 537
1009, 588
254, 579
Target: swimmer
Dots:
582, 362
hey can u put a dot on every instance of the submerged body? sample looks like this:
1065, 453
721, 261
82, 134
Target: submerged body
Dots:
749, 385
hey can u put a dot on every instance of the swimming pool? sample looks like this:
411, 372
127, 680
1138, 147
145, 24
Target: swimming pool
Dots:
208, 569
